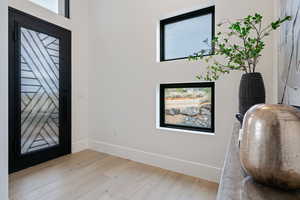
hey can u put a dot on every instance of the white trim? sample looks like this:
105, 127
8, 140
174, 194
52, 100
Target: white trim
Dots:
4, 100
158, 38
185, 131
190, 168
80, 145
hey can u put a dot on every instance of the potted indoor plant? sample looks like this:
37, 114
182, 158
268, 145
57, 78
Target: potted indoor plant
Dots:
241, 47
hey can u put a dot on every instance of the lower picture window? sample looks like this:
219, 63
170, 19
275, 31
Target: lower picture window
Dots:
188, 106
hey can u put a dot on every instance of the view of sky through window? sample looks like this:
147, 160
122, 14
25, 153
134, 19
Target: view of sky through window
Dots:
52, 5
186, 37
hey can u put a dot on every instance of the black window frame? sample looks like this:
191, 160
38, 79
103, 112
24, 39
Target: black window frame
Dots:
178, 18
66, 13
162, 123
67, 9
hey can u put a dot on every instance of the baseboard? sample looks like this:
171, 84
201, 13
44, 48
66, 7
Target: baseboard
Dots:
190, 168
80, 145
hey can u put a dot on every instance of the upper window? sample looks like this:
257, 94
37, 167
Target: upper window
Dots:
60, 7
184, 35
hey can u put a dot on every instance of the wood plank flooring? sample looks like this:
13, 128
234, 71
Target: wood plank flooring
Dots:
90, 175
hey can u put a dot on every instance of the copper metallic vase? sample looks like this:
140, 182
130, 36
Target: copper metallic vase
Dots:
270, 146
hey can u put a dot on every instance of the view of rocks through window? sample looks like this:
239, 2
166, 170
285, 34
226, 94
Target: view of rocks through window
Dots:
188, 107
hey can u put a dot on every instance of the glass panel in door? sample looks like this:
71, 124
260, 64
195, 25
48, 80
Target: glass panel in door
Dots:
39, 90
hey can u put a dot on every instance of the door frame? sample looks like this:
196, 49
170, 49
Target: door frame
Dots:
17, 161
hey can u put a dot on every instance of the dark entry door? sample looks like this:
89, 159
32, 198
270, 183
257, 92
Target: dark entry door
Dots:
39, 90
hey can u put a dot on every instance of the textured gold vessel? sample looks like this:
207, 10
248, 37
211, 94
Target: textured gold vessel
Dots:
270, 146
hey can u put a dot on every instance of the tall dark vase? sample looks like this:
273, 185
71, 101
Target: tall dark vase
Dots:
252, 92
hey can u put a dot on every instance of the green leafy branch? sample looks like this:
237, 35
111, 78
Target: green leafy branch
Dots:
241, 55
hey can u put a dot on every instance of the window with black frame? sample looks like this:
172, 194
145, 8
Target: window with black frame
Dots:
186, 34
60, 7
188, 106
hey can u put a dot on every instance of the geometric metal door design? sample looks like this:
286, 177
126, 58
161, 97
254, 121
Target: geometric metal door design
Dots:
40, 112
39, 91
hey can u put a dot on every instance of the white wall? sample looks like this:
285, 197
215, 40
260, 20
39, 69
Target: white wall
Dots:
124, 75
3, 101
79, 26
115, 75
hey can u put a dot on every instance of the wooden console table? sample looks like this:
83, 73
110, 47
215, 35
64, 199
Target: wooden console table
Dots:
235, 185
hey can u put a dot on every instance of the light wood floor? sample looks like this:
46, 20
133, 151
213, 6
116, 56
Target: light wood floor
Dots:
90, 175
